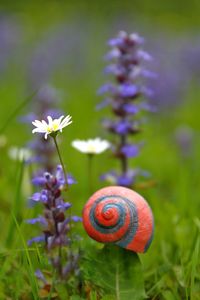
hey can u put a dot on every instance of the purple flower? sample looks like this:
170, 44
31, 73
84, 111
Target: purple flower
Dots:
113, 54
103, 104
48, 94
123, 127
131, 108
40, 275
36, 197
149, 74
62, 205
39, 219
40, 197
39, 181
37, 239
123, 40
29, 118
144, 55
148, 107
127, 90
9, 37
125, 179
130, 150
108, 87
115, 69
54, 113
61, 178
76, 219
58, 180
184, 138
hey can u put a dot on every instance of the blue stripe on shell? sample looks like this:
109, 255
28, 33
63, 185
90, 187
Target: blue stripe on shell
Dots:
133, 226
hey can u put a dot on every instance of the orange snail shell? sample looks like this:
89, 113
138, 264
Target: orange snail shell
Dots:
119, 215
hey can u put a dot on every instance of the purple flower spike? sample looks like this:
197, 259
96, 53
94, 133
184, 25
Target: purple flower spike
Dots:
127, 67
55, 221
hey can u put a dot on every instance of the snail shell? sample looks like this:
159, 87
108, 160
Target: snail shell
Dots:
119, 215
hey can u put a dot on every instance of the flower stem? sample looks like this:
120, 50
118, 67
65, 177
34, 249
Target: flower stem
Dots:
124, 161
61, 161
70, 227
90, 173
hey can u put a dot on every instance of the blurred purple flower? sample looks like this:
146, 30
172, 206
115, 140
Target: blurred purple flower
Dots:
10, 32
184, 138
76, 219
130, 150
58, 180
39, 219
40, 275
126, 179
128, 90
131, 108
126, 65
37, 239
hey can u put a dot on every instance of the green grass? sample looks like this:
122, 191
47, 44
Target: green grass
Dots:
172, 264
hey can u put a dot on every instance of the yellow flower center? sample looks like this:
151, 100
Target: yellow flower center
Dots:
53, 127
91, 148
49, 129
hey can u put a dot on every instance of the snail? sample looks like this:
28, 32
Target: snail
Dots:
119, 215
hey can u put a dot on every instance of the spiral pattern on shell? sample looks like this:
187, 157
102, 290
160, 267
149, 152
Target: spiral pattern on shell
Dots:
119, 215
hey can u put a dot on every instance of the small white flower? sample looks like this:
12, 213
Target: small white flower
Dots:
91, 146
20, 154
52, 125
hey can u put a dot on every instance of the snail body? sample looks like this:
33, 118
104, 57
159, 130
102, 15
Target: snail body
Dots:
119, 215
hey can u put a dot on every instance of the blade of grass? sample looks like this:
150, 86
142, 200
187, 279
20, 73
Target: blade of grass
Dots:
31, 274
195, 262
16, 205
17, 110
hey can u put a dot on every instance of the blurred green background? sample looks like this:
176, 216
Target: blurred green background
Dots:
62, 43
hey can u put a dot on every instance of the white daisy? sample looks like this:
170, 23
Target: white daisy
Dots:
52, 126
91, 146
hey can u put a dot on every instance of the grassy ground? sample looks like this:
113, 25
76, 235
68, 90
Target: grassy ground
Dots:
171, 266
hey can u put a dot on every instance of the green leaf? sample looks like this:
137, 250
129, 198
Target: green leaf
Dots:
117, 271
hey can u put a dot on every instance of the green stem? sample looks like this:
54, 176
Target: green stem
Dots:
61, 161
70, 227
90, 173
